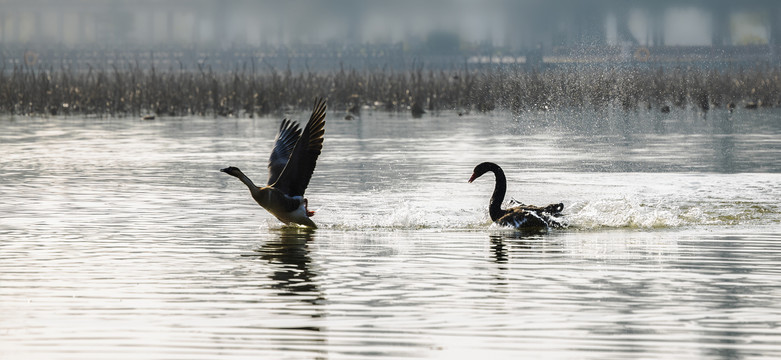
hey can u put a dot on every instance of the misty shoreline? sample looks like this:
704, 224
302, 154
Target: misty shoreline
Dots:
135, 91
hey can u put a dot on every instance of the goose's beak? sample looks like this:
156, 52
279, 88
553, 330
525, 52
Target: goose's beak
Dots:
472, 178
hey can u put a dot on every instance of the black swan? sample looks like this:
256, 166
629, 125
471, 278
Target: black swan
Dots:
522, 216
290, 167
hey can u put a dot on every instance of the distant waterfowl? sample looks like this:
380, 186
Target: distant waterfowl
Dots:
354, 109
417, 109
290, 168
522, 216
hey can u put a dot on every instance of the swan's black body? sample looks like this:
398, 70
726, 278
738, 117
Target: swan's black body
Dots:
522, 216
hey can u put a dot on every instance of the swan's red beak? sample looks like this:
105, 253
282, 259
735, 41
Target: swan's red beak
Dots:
474, 176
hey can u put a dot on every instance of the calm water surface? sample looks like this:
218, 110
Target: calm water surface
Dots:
119, 238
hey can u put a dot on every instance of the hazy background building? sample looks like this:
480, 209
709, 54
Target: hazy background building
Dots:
375, 33
511, 24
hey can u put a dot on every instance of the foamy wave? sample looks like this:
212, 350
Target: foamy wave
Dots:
635, 212
626, 212
405, 215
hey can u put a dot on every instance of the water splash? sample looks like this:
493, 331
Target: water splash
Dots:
631, 212
639, 213
622, 212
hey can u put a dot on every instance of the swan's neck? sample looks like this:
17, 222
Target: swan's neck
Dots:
495, 207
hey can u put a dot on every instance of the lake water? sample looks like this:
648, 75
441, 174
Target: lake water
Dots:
120, 238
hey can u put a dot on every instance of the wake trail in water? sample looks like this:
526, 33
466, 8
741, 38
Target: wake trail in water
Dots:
623, 213
634, 212
631, 207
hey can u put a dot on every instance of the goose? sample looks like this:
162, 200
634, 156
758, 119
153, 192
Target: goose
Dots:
290, 167
521, 216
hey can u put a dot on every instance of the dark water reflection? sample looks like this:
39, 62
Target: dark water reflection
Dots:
289, 264
520, 243
285, 258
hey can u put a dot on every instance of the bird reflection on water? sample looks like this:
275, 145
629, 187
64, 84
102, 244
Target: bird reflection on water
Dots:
285, 259
290, 264
506, 243
526, 247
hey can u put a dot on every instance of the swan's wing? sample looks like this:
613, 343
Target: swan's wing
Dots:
553, 209
295, 177
286, 139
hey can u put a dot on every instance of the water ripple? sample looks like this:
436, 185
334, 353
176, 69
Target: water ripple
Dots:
122, 239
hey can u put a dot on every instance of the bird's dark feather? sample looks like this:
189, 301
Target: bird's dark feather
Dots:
288, 135
296, 175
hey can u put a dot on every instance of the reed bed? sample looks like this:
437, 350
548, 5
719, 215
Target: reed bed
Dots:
247, 91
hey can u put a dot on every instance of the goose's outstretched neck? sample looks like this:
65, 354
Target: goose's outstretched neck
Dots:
237, 173
495, 206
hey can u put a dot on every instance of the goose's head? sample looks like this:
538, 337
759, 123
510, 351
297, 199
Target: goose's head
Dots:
232, 170
481, 169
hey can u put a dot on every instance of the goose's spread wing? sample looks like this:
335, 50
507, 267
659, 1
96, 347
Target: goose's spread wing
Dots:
295, 177
288, 135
